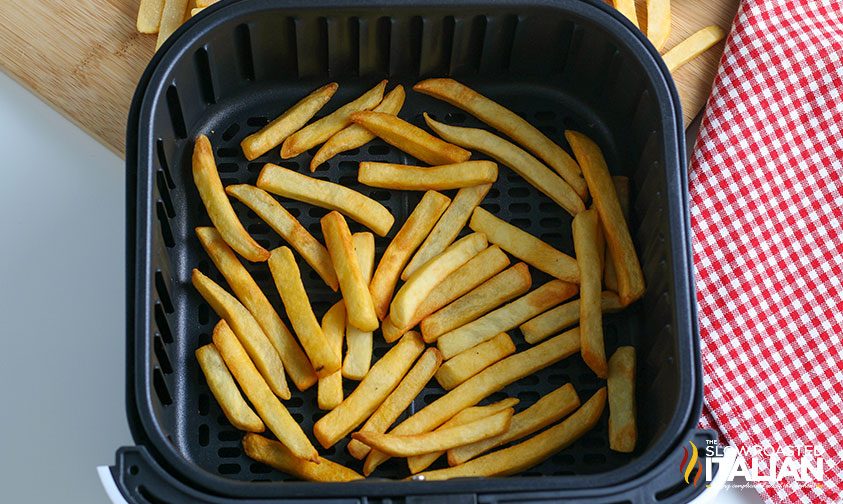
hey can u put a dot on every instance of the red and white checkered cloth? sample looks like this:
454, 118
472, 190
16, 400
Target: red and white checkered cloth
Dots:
766, 188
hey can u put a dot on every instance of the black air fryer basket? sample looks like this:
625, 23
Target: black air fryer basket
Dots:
560, 64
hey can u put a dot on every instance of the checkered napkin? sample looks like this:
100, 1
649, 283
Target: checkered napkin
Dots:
766, 188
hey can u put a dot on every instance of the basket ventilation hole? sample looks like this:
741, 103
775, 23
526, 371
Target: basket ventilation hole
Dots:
229, 452
161, 356
230, 132
161, 389
164, 192
379, 150
243, 45
203, 314
228, 167
204, 435
162, 324
162, 162
229, 435
256, 468
510, 26
176, 114
229, 468
133, 470
204, 404
204, 75
163, 292
228, 152
164, 222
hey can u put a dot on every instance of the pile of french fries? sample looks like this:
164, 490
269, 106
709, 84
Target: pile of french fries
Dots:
163, 17
445, 304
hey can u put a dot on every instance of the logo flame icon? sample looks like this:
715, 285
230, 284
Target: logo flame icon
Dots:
686, 467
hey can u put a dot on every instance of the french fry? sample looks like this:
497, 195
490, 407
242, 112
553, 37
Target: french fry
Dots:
329, 392
658, 22
270, 136
519, 160
494, 292
285, 272
437, 178
274, 454
448, 227
586, 231
630, 277
610, 278
411, 139
355, 136
172, 16
318, 132
505, 318
149, 15
196, 11
627, 8
248, 331
525, 246
355, 290
399, 400
409, 237
490, 380
207, 180
531, 452
225, 390
422, 282
381, 380
391, 332
362, 209
547, 410
508, 123
358, 356
563, 317
468, 363
693, 46
623, 429
205, 3
247, 291
272, 412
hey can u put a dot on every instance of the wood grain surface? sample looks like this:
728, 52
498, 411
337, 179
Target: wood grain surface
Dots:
84, 57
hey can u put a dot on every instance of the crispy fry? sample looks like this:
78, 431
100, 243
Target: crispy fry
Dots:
505, 318
448, 227
519, 160
247, 291
381, 380
225, 390
196, 11
270, 136
469, 362
285, 272
610, 277
358, 357
355, 136
318, 132
391, 332
630, 276
362, 209
411, 139
172, 16
248, 331
658, 22
693, 46
586, 230
272, 412
507, 122
623, 429
563, 317
274, 454
329, 391
207, 180
627, 8
416, 178
149, 15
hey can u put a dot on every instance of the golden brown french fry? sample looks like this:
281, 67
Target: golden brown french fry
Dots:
507, 122
196, 11
274, 454
247, 291
658, 22
399, 400
358, 356
623, 429
207, 180
270, 136
381, 380
448, 227
391, 332
630, 277
285, 272
468, 363
149, 15
272, 412
490, 380
610, 278
329, 391
563, 317
547, 410
225, 390
355, 136
422, 282
318, 132
172, 16
417, 178
627, 8
519, 160
411, 139
586, 229
362, 209
494, 292
505, 318
693, 46
531, 452
354, 288
248, 331
409, 237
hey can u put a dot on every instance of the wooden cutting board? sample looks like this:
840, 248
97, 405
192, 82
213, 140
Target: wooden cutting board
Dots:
84, 57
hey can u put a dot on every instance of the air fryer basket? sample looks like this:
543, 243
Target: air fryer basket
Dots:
562, 64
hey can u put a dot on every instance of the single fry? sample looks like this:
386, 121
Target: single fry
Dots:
563, 317
318, 132
149, 15
437, 178
247, 291
355, 136
693, 46
508, 123
623, 429
196, 10
207, 180
630, 277
358, 357
448, 227
329, 392
225, 391
285, 272
658, 22
272, 412
391, 332
172, 16
274, 454
610, 277
505, 318
293, 185
409, 237
381, 380
270, 136
627, 8
586, 230
248, 331
469, 362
